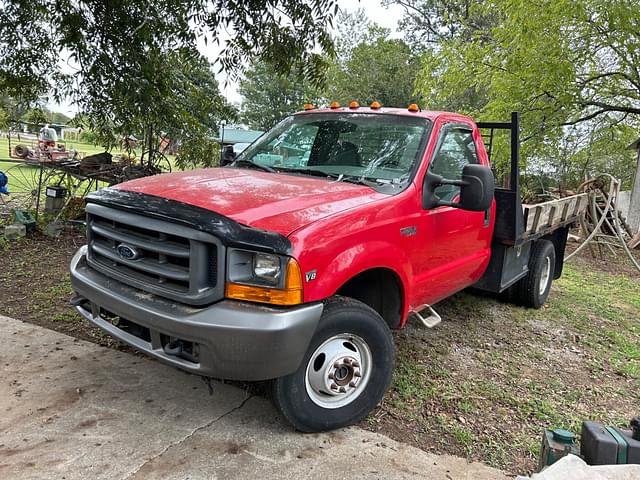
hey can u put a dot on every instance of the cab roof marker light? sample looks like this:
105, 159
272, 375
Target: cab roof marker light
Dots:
375, 105
354, 105
413, 107
334, 105
308, 106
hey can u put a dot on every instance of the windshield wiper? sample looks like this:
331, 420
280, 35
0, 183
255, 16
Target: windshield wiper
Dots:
251, 164
341, 177
353, 179
306, 171
362, 180
338, 177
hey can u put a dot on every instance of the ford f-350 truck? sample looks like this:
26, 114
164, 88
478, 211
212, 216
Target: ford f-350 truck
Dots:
294, 264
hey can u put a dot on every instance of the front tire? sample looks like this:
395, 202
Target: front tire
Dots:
345, 372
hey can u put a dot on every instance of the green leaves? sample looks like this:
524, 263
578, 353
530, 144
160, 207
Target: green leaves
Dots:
370, 65
560, 63
133, 68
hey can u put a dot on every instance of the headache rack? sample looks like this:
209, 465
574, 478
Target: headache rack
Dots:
518, 225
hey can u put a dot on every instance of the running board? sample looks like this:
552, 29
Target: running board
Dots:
431, 320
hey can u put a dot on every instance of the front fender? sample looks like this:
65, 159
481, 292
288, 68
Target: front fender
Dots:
338, 269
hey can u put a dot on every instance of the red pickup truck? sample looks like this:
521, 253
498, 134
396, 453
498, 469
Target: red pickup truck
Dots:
296, 262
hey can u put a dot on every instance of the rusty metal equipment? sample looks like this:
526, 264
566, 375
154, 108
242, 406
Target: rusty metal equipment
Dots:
48, 164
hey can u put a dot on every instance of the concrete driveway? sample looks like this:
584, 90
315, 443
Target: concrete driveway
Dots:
74, 410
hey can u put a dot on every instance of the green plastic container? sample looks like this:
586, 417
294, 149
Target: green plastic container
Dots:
25, 218
555, 445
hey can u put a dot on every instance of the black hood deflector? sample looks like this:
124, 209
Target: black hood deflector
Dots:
230, 232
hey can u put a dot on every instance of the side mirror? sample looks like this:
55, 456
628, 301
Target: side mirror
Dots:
477, 194
476, 189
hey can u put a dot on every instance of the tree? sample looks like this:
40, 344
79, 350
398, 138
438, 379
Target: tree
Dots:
58, 118
177, 99
426, 23
383, 70
35, 118
560, 62
352, 29
127, 55
268, 97
4, 118
371, 65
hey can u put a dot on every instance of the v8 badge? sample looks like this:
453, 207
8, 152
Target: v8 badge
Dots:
311, 275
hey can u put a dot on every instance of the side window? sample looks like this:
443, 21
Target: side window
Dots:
456, 150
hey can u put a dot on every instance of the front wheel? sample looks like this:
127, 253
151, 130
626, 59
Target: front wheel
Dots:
345, 372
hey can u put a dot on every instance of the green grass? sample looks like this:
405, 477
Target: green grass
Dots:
84, 148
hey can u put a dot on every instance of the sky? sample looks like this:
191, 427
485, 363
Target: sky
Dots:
387, 17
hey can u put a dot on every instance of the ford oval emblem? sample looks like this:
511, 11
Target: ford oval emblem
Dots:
126, 252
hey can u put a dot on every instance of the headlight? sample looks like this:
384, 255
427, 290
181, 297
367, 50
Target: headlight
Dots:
255, 268
263, 277
267, 267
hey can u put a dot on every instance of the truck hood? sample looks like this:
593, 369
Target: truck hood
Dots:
278, 202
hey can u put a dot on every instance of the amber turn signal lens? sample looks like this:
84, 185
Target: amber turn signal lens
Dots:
334, 105
308, 106
354, 105
413, 107
291, 294
375, 105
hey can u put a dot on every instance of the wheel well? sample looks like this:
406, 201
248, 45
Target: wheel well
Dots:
381, 289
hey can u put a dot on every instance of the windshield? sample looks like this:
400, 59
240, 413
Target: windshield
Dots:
375, 148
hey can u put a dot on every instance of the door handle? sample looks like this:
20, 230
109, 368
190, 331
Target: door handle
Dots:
487, 217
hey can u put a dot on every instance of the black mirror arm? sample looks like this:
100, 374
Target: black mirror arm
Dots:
457, 183
445, 203
431, 182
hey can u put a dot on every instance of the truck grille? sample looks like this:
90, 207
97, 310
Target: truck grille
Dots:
158, 257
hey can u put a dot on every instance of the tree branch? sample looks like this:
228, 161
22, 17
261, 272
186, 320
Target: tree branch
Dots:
610, 108
585, 118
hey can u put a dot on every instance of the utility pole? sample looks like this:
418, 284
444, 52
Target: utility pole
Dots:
633, 218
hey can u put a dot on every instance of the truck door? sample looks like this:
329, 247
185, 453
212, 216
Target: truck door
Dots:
455, 244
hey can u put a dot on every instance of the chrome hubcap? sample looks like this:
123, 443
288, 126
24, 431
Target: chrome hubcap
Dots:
338, 371
544, 278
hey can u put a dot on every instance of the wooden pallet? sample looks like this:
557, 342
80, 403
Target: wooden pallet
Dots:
542, 218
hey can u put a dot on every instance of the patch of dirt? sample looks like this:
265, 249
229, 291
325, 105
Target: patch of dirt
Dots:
35, 285
602, 259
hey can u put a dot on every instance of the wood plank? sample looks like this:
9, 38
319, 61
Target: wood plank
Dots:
543, 215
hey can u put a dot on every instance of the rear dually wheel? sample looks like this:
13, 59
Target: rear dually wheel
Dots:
533, 290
